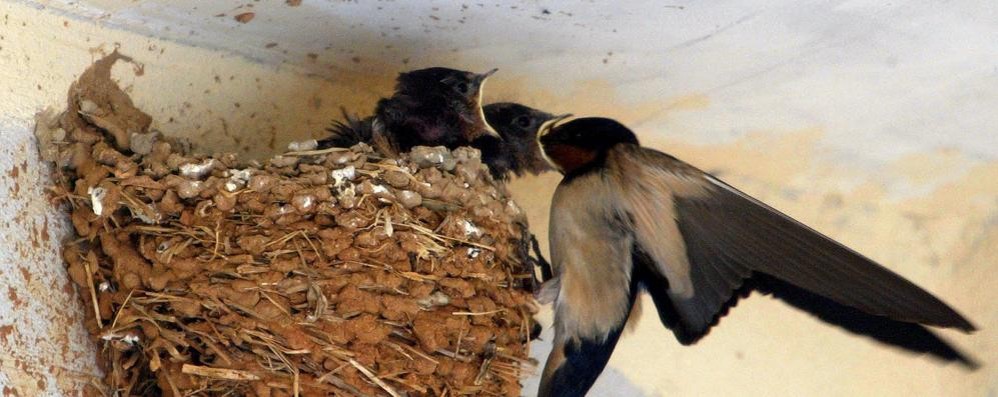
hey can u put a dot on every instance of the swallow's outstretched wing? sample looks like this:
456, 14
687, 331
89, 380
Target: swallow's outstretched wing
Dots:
703, 242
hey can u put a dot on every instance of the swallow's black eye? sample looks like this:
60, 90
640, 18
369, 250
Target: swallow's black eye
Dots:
461, 88
522, 121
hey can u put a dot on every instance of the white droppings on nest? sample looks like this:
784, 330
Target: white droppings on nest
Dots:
237, 179
104, 286
202, 208
513, 209
88, 107
142, 143
473, 252
189, 189
346, 195
197, 170
409, 199
149, 215
423, 185
343, 174
437, 157
389, 229
261, 183
242, 175
97, 195
304, 203
435, 299
284, 161
301, 146
341, 157
470, 230
425, 156
129, 338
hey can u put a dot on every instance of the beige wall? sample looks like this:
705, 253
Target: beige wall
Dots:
873, 123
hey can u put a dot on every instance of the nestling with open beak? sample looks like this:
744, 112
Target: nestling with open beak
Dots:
430, 107
626, 219
516, 151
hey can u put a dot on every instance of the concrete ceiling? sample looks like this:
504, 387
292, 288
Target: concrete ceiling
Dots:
884, 79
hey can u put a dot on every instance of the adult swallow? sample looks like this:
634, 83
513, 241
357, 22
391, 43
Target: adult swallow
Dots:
430, 107
627, 219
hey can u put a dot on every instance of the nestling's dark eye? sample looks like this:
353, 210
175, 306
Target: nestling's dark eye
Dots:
522, 121
461, 88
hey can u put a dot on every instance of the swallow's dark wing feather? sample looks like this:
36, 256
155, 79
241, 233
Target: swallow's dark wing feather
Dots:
729, 237
909, 336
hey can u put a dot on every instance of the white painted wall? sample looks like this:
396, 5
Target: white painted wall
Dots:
874, 122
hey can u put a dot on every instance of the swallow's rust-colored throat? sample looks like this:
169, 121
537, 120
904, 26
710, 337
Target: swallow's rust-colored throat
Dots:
568, 158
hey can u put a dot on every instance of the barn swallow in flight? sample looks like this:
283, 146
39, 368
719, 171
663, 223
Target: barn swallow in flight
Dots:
430, 107
626, 219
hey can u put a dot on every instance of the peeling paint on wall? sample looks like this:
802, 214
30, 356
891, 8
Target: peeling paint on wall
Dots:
44, 349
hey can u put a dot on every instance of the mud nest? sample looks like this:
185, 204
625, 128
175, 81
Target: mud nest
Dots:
317, 272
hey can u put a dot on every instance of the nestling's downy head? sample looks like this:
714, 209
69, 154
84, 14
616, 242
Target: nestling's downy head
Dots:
518, 125
458, 89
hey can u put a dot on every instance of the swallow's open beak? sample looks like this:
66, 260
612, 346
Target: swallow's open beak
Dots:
481, 113
486, 75
489, 130
549, 125
546, 128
